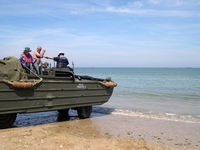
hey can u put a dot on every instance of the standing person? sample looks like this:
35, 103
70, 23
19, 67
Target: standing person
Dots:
26, 58
61, 60
37, 56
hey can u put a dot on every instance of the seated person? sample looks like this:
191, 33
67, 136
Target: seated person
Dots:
27, 59
43, 67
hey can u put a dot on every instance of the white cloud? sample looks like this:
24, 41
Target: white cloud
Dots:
155, 2
57, 9
136, 4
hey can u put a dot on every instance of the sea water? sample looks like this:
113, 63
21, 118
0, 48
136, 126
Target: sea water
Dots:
157, 93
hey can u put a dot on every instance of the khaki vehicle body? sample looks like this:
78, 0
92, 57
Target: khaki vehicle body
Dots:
55, 89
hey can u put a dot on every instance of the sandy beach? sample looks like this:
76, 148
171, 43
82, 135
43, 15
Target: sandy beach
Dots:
100, 132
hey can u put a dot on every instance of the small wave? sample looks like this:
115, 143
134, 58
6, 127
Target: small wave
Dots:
102, 110
151, 115
159, 116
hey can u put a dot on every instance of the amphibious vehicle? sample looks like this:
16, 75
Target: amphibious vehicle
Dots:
54, 89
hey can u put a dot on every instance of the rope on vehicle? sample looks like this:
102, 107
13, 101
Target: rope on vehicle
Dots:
108, 84
23, 84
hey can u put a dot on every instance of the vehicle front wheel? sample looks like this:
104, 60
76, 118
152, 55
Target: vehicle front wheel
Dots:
84, 112
6, 120
64, 112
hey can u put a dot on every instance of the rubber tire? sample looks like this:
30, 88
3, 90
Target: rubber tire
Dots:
64, 112
7, 120
84, 112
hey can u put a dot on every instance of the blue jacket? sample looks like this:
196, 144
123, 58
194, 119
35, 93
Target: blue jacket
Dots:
62, 62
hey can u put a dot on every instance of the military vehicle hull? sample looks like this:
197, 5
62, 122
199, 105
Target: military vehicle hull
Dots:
58, 89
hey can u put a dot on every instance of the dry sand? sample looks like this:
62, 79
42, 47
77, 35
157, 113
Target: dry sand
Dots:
104, 132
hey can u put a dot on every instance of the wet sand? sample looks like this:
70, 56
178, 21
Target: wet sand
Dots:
49, 131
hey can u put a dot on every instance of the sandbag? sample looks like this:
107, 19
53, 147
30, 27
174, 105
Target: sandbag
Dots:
11, 69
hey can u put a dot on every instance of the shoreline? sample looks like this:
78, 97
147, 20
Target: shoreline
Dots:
157, 132
100, 132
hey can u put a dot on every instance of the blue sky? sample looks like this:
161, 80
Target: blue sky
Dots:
105, 33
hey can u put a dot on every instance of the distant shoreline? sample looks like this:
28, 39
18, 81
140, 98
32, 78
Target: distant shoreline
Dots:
138, 67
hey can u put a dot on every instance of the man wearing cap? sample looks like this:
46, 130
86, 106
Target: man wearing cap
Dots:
26, 58
43, 67
61, 60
